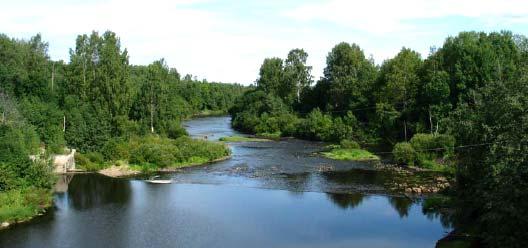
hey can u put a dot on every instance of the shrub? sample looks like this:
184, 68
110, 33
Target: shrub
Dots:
430, 143
349, 144
316, 126
404, 153
95, 157
164, 152
175, 130
115, 149
92, 161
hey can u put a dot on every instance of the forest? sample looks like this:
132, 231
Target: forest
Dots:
97, 103
462, 110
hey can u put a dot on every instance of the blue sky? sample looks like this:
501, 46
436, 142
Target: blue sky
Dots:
226, 40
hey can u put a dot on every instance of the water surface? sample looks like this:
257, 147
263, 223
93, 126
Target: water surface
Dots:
271, 194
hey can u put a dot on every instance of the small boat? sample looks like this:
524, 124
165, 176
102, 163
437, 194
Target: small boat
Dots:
154, 180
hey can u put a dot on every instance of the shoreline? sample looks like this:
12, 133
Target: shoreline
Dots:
124, 171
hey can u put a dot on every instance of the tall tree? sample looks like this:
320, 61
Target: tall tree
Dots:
399, 83
349, 75
297, 74
271, 76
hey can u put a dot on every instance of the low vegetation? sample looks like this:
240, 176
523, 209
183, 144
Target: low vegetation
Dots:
241, 139
19, 205
350, 154
153, 152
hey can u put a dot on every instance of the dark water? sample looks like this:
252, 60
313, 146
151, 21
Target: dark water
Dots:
272, 194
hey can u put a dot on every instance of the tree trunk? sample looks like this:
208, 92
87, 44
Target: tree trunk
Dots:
430, 120
405, 129
52, 75
152, 117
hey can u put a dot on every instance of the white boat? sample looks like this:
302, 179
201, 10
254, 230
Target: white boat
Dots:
158, 181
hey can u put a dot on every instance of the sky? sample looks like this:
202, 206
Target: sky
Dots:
227, 40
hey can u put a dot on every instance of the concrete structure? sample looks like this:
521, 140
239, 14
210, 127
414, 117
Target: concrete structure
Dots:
64, 163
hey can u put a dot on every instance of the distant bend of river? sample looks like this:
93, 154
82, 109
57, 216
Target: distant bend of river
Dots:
269, 194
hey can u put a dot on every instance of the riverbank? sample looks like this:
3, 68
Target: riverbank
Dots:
22, 205
119, 171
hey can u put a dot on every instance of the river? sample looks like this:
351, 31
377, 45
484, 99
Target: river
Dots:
269, 194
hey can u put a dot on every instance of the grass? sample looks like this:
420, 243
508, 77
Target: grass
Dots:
241, 139
23, 204
207, 112
350, 154
149, 167
273, 136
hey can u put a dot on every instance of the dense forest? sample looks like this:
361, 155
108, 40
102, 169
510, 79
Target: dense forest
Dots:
98, 104
463, 109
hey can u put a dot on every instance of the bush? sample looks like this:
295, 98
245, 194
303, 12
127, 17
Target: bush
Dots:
349, 144
404, 153
175, 130
164, 152
92, 161
115, 149
316, 126
429, 143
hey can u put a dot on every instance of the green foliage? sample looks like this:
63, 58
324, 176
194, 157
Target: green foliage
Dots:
492, 179
48, 120
19, 170
241, 139
175, 130
23, 204
348, 78
316, 126
350, 154
349, 144
425, 150
163, 152
404, 153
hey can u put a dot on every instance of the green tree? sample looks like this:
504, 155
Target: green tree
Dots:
297, 75
349, 76
271, 76
399, 82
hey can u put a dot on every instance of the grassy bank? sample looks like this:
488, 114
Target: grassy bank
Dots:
350, 154
241, 139
21, 205
152, 153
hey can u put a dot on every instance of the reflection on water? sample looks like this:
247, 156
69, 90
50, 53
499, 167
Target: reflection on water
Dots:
346, 200
102, 212
401, 204
95, 190
269, 194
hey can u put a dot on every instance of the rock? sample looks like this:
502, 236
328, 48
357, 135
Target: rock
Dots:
441, 179
408, 190
4, 225
417, 190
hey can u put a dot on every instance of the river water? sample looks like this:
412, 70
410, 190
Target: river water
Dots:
269, 194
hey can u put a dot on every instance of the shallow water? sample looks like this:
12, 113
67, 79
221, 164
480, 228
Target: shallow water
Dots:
269, 194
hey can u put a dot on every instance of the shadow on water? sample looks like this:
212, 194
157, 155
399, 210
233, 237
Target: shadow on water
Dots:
347, 201
280, 196
87, 191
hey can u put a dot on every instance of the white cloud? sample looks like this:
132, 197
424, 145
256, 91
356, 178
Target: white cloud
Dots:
229, 46
382, 16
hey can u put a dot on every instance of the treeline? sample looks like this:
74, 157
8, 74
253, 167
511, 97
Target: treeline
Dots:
94, 103
98, 94
465, 106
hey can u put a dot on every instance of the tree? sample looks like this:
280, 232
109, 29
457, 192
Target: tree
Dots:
349, 76
297, 74
399, 83
271, 76
100, 74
